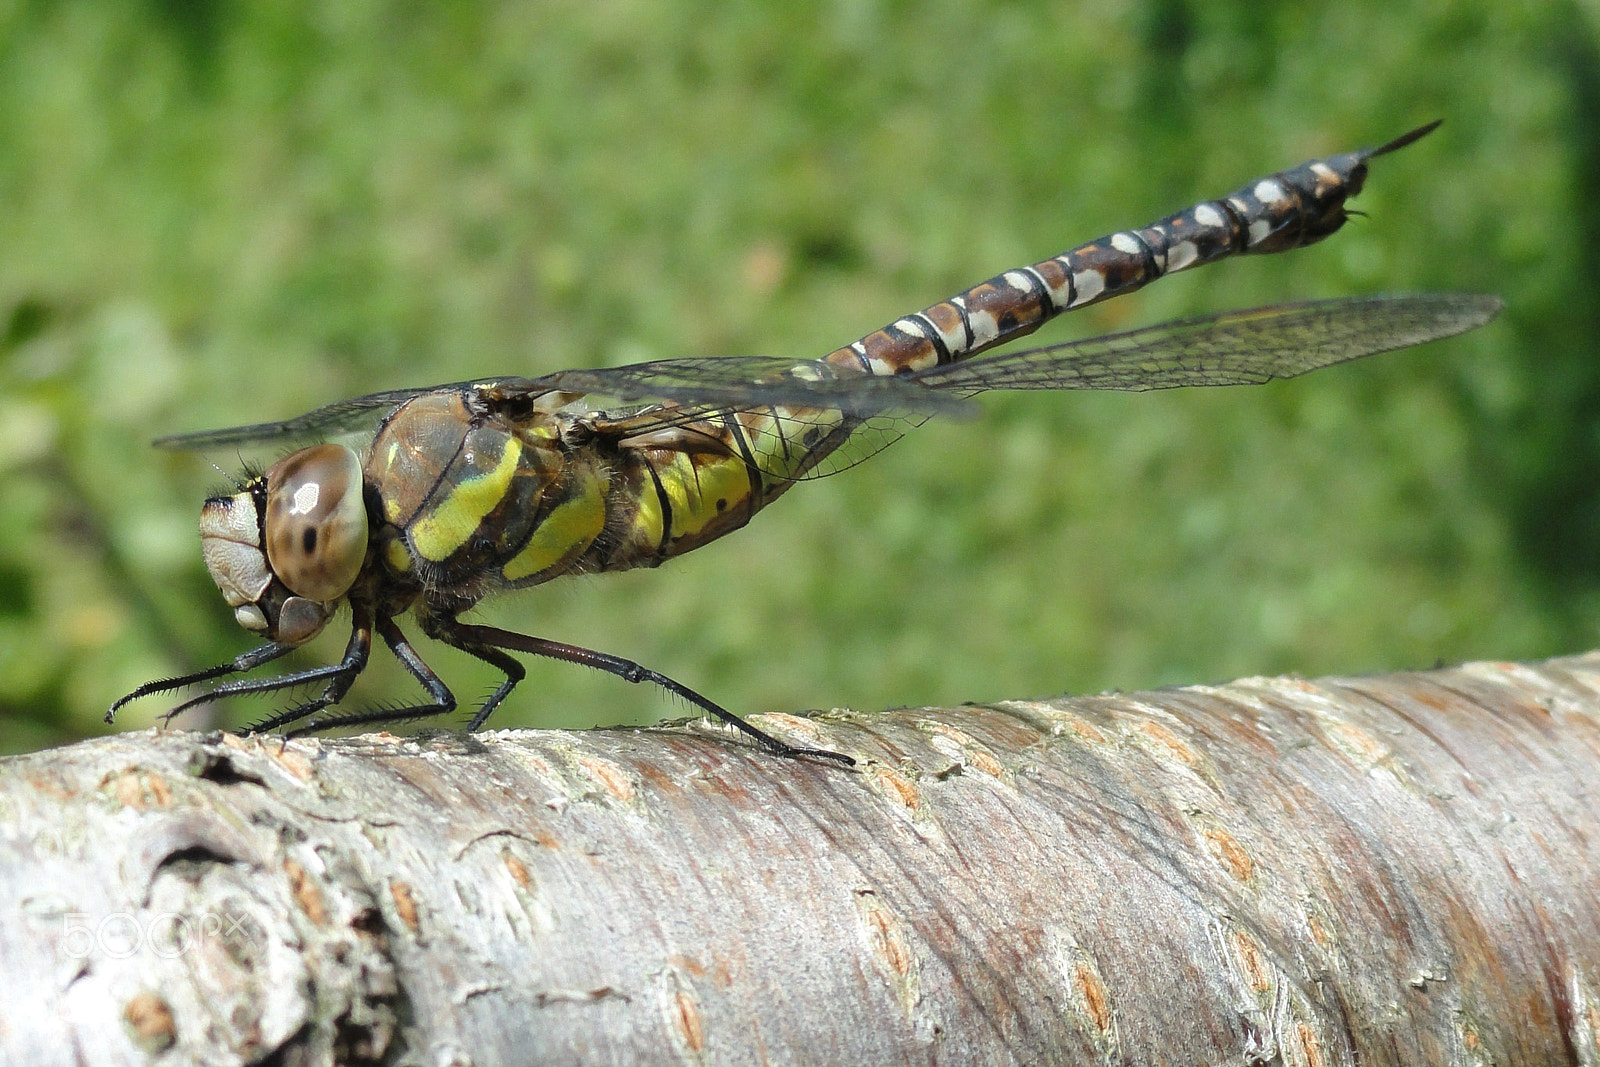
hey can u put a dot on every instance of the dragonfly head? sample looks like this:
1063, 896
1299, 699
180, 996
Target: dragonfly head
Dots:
286, 549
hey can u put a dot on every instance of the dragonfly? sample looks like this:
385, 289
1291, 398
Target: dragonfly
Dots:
470, 489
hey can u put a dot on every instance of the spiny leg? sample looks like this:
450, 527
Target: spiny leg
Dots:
514, 672
444, 701
245, 661
248, 688
477, 639
341, 676
445, 628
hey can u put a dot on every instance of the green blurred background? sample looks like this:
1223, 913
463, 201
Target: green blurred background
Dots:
214, 212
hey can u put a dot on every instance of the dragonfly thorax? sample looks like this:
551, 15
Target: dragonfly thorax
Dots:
288, 547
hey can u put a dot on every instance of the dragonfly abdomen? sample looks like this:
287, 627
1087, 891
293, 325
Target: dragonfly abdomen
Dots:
673, 492
1282, 211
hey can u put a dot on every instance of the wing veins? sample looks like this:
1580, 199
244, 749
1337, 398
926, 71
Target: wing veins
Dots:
1230, 348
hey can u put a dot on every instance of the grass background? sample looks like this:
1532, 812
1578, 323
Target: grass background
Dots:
215, 212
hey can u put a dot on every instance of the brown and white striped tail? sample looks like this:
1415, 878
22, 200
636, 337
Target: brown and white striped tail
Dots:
1285, 210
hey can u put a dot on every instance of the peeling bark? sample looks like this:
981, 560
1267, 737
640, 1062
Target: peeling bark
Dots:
1390, 870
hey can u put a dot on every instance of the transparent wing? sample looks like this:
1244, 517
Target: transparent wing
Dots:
691, 388
732, 382
343, 417
1233, 348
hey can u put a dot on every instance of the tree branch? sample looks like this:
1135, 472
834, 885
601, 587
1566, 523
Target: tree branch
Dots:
1390, 870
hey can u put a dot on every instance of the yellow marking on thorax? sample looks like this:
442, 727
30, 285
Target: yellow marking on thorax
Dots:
645, 526
539, 431
391, 506
694, 490
446, 528
397, 556
571, 527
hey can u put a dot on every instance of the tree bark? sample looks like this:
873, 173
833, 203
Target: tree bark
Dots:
1401, 869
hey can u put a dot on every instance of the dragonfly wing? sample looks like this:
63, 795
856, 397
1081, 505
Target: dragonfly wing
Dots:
692, 389
343, 417
798, 420
819, 420
739, 382
1233, 348
813, 432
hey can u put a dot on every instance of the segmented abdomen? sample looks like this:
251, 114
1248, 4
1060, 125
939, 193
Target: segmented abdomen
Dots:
1282, 211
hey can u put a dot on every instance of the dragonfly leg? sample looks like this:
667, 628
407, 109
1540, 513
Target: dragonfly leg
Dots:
514, 674
480, 639
341, 676
443, 701
245, 661
513, 671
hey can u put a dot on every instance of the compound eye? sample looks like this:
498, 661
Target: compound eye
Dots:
316, 522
